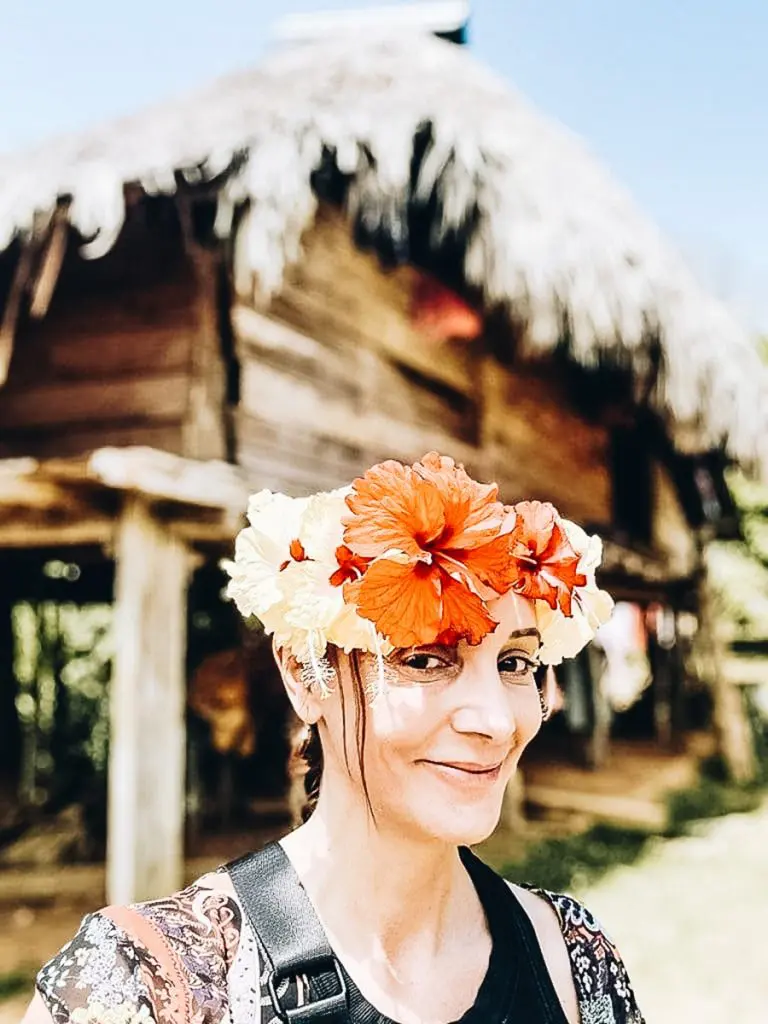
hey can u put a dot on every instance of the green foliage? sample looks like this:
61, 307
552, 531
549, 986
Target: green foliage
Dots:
571, 862
13, 983
758, 720
715, 793
711, 798
738, 570
63, 655
740, 586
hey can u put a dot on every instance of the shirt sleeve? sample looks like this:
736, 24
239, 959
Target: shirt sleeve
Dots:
603, 988
103, 976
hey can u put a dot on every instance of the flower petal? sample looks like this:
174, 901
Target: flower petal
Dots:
588, 548
275, 520
563, 637
534, 523
473, 515
393, 509
321, 524
298, 554
402, 599
547, 563
350, 567
254, 580
491, 564
464, 614
536, 587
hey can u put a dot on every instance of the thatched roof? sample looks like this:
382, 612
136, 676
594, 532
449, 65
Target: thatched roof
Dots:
549, 235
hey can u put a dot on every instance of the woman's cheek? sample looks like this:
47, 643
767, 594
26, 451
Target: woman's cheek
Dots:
528, 714
398, 718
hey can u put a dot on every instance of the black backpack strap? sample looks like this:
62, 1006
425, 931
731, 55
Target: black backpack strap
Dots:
291, 936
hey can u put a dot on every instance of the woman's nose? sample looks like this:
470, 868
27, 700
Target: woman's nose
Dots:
485, 707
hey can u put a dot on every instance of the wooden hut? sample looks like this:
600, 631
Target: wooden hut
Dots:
335, 258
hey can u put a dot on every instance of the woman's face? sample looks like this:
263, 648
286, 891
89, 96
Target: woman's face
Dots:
445, 731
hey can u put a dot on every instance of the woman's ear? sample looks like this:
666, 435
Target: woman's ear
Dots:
302, 694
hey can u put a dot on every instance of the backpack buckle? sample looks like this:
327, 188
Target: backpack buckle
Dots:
327, 1008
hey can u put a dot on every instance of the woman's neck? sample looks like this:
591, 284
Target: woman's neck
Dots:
395, 893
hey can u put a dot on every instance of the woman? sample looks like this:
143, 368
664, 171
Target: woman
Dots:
413, 617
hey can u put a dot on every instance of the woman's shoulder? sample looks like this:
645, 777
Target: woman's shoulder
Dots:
164, 960
600, 978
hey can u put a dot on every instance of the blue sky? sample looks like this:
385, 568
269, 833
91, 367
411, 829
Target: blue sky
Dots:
671, 94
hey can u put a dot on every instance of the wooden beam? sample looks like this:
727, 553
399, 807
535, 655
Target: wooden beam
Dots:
629, 810
158, 475
204, 429
50, 265
22, 533
10, 315
25, 487
195, 531
163, 476
84, 401
148, 696
72, 501
735, 739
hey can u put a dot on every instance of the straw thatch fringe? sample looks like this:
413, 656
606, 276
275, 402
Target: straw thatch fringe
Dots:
549, 235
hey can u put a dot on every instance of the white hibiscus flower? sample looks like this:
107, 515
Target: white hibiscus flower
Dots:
316, 607
321, 531
261, 550
563, 637
288, 588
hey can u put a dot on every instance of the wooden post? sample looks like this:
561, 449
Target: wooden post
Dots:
734, 735
147, 746
204, 433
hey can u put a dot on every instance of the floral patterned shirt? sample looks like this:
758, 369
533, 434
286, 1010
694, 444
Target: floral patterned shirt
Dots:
193, 959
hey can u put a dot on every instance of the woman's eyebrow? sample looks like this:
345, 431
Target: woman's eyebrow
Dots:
532, 631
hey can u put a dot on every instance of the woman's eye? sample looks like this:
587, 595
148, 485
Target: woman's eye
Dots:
517, 665
424, 662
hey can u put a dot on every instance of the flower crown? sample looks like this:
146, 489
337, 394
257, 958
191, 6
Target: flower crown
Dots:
411, 555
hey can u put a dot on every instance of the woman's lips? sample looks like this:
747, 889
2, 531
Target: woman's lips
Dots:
466, 771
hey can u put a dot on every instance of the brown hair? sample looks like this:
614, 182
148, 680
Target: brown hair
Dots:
307, 753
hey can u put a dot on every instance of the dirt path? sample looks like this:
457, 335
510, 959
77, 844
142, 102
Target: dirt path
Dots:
690, 922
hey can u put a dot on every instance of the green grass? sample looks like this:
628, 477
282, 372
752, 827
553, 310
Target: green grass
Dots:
711, 798
13, 983
573, 862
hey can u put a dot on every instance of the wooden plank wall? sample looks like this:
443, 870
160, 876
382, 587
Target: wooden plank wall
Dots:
334, 377
115, 360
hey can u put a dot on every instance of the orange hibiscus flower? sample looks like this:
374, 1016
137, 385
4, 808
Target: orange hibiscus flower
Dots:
545, 563
350, 567
432, 535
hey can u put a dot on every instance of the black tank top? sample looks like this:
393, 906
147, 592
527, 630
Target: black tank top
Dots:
517, 987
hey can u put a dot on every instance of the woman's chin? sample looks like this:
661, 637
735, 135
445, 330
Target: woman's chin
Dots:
478, 835
467, 829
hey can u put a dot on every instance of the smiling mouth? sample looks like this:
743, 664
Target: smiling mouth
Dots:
468, 769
